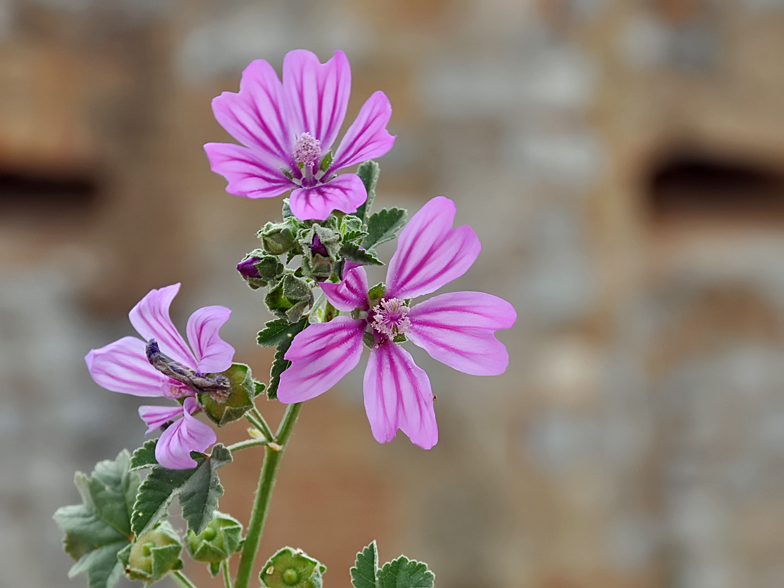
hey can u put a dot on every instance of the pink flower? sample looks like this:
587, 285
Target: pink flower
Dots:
123, 367
288, 128
456, 329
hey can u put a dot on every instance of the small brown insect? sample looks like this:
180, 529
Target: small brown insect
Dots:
217, 386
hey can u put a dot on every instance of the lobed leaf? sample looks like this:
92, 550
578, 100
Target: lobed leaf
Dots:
355, 253
368, 172
99, 528
405, 573
279, 331
198, 489
384, 226
364, 574
280, 364
144, 457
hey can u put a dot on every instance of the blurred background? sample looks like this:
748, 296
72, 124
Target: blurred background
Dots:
623, 164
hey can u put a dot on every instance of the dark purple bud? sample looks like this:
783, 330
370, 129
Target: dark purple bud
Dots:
247, 267
318, 247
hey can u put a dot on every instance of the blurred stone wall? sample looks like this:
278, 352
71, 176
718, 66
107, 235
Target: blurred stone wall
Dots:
637, 439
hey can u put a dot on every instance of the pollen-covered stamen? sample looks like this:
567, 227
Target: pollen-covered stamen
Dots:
390, 318
307, 150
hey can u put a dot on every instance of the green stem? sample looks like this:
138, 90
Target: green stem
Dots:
264, 426
246, 444
258, 515
182, 580
226, 576
259, 426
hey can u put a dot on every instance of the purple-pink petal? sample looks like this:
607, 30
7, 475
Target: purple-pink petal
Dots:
150, 318
367, 137
157, 416
257, 115
344, 193
429, 252
122, 366
185, 435
351, 292
458, 329
213, 354
316, 95
320, 356
398, 396
248, 175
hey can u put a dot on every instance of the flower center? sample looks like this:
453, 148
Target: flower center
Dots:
390, 318
307, 150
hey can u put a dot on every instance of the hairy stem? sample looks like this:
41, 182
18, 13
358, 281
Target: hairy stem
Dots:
259, 423
247, 443
226, 575
258, 516
182, 580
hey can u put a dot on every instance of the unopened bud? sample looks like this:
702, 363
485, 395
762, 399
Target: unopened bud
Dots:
320, 251
259, 268
290, 298
278, 238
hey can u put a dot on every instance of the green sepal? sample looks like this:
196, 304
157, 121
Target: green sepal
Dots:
239, 401
292, 568
326, 162
99, 528
384, 226
355, 253
399, 573
144, 457
152, 555
258, 387
215, 568
368, 172
290, 298
315, 265
278, 238
279, 332
376, 293
198, 490
286, 212
217, 542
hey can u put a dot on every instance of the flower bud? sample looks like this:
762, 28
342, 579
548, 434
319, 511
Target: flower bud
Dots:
320, 247
218, 541
278, 238
290, 568
152, 555
260, 268
290, 298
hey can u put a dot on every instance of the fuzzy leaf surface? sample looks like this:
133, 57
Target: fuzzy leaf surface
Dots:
144, 457
364, 574
368, 172
384, 226
279, 332
198, 489
99, 528
405, 573
280, 364
355, 253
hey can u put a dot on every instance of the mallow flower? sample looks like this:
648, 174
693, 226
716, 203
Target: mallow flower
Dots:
455, 328
125, 366
287, 130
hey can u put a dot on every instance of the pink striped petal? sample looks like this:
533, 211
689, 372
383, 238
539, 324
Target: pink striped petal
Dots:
122, 366
247, 174
257, 116
458, 329
344, 193
429, 252
351, 293
157, 416
150, 318
367, 137
398, 396
213, 353
320, 356
186, 435
317, 95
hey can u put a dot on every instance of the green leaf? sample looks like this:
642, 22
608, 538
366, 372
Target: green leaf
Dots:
97, 530
279, 331
405, 573
144, 457
384, 226
354, 253
368, 173
280, 364
239, 401
364, 574
198, 489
